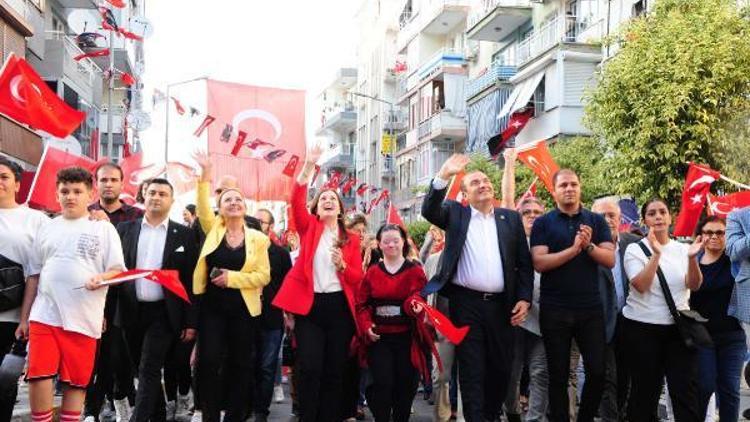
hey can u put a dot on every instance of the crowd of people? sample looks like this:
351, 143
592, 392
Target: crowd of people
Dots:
568, 318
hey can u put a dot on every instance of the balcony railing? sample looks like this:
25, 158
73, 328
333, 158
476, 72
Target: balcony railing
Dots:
489, 6
85, 66
562, 29
442, 58
495, 72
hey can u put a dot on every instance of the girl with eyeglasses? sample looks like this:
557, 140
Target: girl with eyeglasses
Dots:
386, 319
720, 367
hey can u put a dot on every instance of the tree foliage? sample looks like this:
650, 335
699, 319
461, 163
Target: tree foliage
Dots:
674, 93
417, 231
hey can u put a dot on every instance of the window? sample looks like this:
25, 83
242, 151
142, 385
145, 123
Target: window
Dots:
538, 99
506, 56
424, 162
640, 8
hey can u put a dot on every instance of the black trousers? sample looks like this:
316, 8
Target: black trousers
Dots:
394, 377
113, 372
623, 373
177, 373
225, 361
486, 354
323, 339
9, 392
559, 327
350, 398
150, 341
655, 351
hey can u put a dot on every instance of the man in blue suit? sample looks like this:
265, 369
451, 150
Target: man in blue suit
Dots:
487, 276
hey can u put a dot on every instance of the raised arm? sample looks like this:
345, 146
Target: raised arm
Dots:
433, 209
300, 214
206, 216
508, 185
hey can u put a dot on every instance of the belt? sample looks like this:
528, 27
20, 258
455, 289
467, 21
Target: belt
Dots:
484, 296
388, 311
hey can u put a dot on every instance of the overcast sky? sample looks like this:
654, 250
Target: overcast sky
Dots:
279, 43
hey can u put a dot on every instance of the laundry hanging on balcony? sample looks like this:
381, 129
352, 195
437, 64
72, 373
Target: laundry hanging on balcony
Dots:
455, 94
521, 95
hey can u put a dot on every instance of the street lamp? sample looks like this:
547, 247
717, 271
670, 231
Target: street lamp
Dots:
166, 129
391, 114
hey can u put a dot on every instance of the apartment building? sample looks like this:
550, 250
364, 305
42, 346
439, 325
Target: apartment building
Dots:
338, 124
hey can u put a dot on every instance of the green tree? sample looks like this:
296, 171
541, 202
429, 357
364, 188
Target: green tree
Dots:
672, 94
417, 230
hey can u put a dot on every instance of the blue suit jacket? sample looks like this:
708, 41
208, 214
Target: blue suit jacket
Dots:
514, 250
738, 249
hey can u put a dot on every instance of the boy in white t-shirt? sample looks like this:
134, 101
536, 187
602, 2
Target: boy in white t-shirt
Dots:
61, 319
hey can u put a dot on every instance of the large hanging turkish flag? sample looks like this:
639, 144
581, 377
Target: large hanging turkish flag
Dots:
540, 161
697, 184
273, 116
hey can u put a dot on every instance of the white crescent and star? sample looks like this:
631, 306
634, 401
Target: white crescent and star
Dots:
264, 115
706, 179
15, 82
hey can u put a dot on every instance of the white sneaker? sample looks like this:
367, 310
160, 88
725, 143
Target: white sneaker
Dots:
197, 416
183, 405
171, 410
89, 419
122, 410
278, 394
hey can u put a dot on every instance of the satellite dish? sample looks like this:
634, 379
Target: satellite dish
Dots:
138, 69
141, 26
139, 120
82, 20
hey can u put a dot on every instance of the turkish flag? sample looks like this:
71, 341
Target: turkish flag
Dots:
127, 79
348, 185
540, 161
206, 122
239, 142
182, 176
117, 3
25, 97
168, 279
697, 184
273, 115
362, 189
516, 123
27, 178
129, 35
315, 175
393, 217
334, 181
98, 53
441, 323
721, 206
291, 166
178, 106
530, 193
44, 187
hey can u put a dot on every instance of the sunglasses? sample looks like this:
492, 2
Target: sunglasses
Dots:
709, 233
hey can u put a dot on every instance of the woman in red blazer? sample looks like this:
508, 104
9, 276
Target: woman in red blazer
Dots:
320, 291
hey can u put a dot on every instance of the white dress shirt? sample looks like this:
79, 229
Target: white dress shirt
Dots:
480, 266
325, 279
151, 243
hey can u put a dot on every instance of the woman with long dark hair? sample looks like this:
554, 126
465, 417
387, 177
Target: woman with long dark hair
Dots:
233, 267
320, 291
386, 319
655, 346
720, 367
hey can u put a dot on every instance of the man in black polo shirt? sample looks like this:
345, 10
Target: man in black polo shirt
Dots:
567, 246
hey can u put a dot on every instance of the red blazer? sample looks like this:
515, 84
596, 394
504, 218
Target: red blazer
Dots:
296, 292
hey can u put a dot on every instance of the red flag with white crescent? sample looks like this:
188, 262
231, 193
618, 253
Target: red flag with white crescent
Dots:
206, 122
168, 279
721, 206
697, 184
540, 161
530, 192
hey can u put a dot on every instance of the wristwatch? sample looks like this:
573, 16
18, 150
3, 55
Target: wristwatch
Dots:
589, 248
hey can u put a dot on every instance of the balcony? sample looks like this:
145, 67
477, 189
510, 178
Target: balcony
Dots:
437, 17
341, 157
395, 122
495, 73
123, 61
496, 19
561, 30
58, 64
441, 124
338, 119
387, 167
78, 4
445, 57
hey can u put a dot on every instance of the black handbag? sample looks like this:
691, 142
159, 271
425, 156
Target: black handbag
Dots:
689, 323
12, 284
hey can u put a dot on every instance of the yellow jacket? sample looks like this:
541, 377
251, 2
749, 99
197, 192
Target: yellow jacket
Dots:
256, 272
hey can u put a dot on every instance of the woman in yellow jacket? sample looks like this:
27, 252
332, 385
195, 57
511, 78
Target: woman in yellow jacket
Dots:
228, 281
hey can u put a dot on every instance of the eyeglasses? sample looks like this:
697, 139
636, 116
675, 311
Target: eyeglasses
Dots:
531, 212
709, 233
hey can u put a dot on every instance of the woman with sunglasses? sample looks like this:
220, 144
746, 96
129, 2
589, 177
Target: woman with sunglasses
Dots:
386, 319
654, 345
719, 367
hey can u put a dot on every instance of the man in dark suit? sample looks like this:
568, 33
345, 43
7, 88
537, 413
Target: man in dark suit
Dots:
154, 318
614, 287
487, 276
